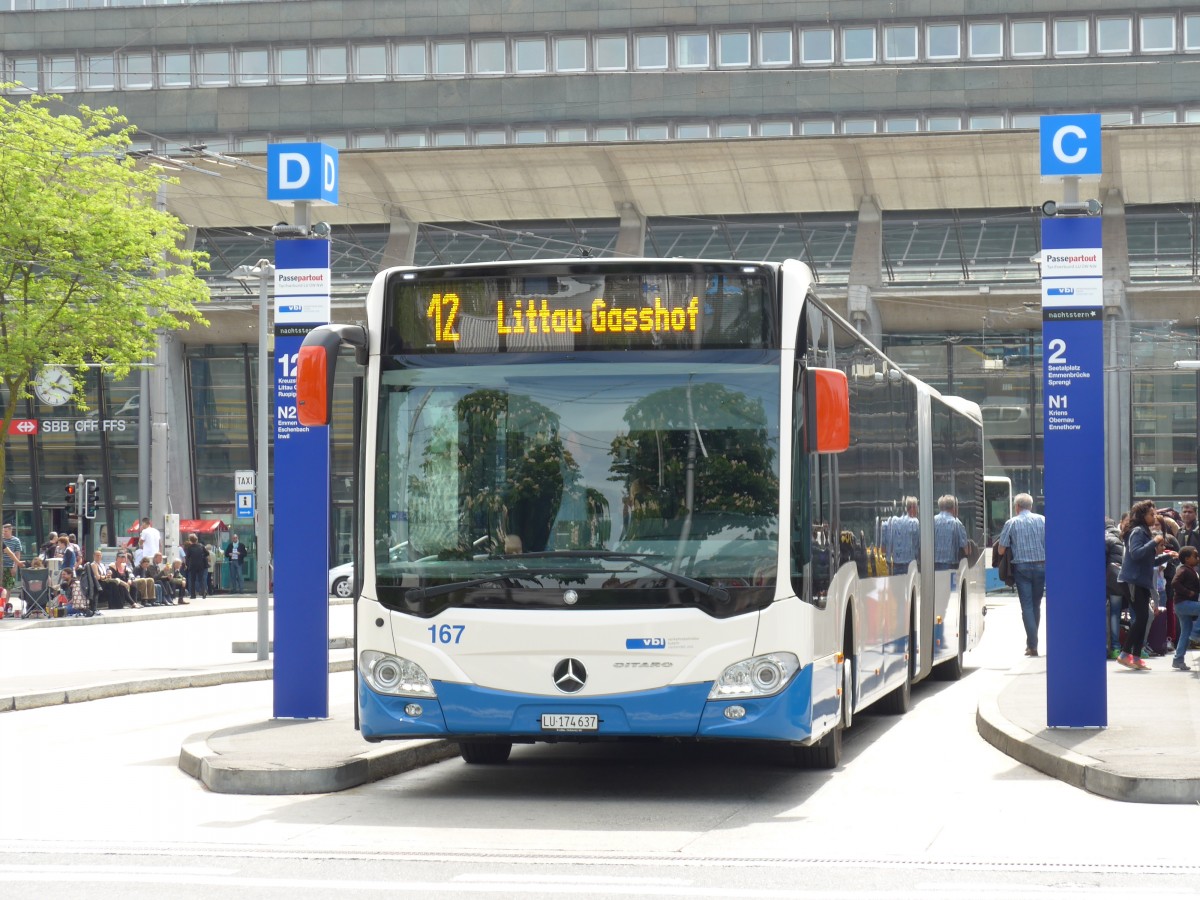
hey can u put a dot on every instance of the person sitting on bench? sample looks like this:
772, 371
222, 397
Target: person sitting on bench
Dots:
105, 577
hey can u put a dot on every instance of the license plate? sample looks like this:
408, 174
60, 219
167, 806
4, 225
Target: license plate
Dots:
567, 722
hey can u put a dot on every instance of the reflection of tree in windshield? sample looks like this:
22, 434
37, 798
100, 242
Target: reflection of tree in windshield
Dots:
510, 470
698, 441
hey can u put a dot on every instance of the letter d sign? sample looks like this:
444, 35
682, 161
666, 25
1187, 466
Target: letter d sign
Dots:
302, 172
1070, 145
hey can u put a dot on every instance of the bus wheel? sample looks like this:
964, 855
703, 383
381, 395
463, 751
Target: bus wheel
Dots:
485, 753
952, 669
824, 754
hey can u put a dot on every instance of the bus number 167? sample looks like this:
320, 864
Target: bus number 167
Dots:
446, 634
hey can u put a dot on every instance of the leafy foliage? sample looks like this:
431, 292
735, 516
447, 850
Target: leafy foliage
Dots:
90, 269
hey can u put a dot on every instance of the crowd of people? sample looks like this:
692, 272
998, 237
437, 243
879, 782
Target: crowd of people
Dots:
1153, 587
139, 576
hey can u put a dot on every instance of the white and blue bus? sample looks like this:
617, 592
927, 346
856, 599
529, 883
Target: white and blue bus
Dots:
645, 499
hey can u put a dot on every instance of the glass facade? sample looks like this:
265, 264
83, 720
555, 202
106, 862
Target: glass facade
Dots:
1165, 447
1003, 374
101, 442
999, 370
72, 441
222, 386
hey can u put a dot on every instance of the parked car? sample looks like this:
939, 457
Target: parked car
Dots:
341, 580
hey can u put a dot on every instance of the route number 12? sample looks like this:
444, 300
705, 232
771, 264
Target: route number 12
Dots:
443, 309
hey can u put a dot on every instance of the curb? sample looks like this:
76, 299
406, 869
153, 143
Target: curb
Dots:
1076, 769
58, 697
148, 614
228, 775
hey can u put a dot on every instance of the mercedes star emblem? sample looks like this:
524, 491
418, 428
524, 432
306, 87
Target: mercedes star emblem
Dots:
569, 676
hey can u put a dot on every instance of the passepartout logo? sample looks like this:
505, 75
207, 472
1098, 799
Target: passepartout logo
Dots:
1084, 262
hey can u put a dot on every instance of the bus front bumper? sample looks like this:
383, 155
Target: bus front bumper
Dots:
677, 711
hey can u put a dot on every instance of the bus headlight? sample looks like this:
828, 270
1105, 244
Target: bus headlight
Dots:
759, 676
389, 674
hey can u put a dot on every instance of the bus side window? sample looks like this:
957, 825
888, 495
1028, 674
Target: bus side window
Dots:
815, 543
825, 542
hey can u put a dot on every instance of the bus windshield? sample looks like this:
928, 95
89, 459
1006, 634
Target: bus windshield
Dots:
579, 481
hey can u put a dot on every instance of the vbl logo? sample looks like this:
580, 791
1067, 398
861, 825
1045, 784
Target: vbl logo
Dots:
646, 643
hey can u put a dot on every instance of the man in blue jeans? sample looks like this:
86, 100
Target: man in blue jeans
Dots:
1024, 537
235, 553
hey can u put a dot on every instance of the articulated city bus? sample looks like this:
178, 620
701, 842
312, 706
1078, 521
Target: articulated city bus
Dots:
646, 499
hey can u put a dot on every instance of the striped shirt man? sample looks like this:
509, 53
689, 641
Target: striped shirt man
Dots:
12, 547
1024, 535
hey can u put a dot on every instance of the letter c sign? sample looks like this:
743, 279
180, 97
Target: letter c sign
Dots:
1057, 145
1070, 145
302, 172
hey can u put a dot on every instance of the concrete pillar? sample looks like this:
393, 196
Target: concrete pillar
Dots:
401, 246
1117, 357
866, 272
169, 458
631, 233
177, 486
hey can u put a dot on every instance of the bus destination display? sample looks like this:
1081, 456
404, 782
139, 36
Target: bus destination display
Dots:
594, 312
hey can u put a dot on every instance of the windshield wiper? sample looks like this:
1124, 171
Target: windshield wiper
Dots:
719, 594
424, 593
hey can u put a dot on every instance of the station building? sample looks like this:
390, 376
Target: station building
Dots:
890, 144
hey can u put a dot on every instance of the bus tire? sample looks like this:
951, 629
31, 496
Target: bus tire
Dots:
952, 669
898, 702
485, 753
824, 754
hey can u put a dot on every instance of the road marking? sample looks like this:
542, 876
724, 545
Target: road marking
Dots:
544, 885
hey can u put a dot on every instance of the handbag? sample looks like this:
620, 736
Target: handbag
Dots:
1003, 565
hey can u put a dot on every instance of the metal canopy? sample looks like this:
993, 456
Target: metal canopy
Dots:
965, 170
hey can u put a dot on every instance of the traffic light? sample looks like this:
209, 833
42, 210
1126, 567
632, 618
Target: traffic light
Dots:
91, 498
71, 496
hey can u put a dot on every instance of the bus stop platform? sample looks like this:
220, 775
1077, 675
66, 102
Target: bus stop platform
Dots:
1146, 754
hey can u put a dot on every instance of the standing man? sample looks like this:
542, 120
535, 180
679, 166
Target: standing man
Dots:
949, 535
12, 554
1024, 537
235, 553
151, 539
1189, 531
197, 567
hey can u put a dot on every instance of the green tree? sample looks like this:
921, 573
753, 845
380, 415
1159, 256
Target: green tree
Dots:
89, 268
